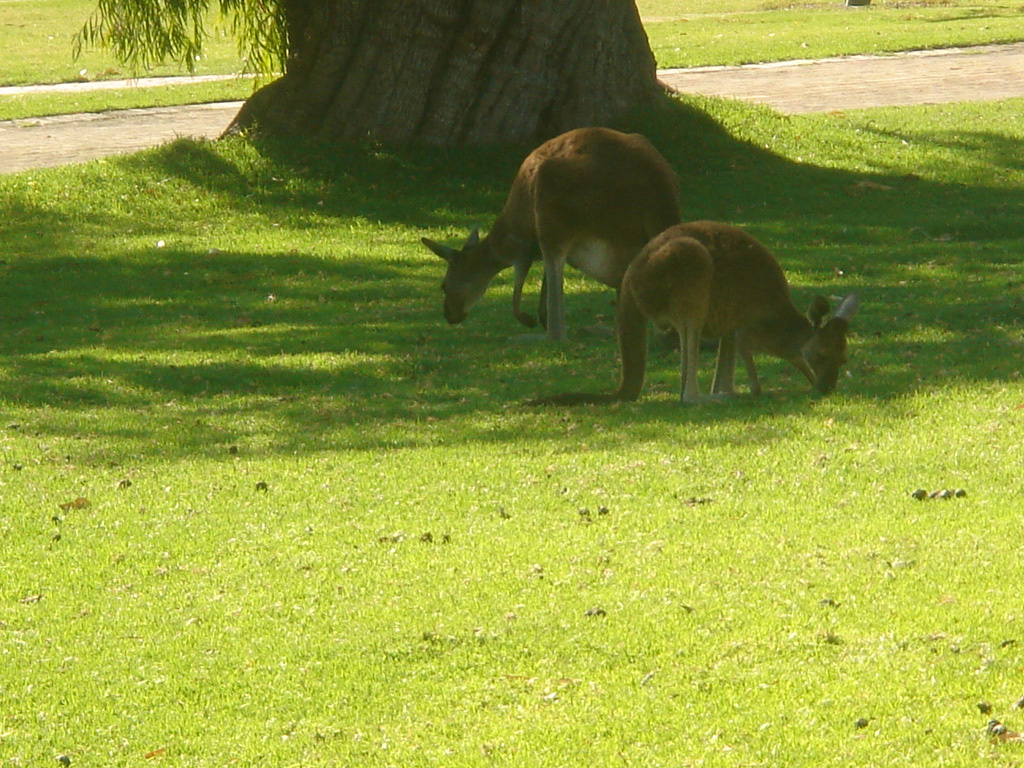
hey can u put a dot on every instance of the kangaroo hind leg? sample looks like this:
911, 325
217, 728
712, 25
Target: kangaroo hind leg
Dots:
689, 356
554, 271
674, 289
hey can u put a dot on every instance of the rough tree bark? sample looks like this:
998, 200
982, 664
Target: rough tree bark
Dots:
451, 72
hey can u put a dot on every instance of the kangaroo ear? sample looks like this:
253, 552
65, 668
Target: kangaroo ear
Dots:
445, 252
474, 238
819, 308
848, 309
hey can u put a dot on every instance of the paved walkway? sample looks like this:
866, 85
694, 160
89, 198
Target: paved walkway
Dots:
44, 142
972, 74
985, 73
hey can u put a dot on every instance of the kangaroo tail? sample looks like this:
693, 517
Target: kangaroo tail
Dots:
632, 332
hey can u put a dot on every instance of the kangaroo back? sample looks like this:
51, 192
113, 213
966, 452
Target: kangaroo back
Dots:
591, 198
751, 311
595, 184
749, 286
668, 282
735, 291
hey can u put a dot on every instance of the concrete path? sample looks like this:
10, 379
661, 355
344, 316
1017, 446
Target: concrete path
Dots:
113, 85
44, 142
985, 73
972, 74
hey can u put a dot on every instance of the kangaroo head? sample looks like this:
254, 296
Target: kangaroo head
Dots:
470, 271
825, 351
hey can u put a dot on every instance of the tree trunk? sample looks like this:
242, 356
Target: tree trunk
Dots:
451, 72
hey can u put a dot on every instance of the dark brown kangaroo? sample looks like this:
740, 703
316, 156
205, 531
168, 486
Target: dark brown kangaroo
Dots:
748, 308
592, 198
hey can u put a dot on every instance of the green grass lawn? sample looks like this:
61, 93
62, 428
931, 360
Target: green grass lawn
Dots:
37, 37
16, 107
260, 505
701, 33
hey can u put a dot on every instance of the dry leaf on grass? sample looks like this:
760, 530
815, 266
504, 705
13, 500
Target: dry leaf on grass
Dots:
1000, 732
865, 184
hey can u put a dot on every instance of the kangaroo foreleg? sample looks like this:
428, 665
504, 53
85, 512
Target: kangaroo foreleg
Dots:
522, 270
804, 367
689, 354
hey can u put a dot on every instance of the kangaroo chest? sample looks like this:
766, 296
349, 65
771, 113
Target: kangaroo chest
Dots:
598, 259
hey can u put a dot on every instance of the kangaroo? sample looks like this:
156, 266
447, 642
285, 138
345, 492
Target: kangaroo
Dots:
591, 197
668, 282
748, 308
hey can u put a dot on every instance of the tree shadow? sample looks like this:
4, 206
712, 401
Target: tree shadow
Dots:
992, 155
415, 186
343, 353
970, 14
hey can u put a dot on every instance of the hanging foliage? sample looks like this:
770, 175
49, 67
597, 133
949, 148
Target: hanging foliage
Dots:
145, 33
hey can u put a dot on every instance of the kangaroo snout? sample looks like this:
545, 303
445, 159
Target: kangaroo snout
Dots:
826, 386
454, 315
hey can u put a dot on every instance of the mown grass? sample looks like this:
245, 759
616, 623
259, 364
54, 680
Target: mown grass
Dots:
37, 37
690, 34
259, 505
16, 107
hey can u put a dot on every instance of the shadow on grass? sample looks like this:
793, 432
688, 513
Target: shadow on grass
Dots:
413, 186
191, 352
992, 156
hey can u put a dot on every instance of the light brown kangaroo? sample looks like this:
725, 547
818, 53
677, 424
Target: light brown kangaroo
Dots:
748, 308
592, 198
